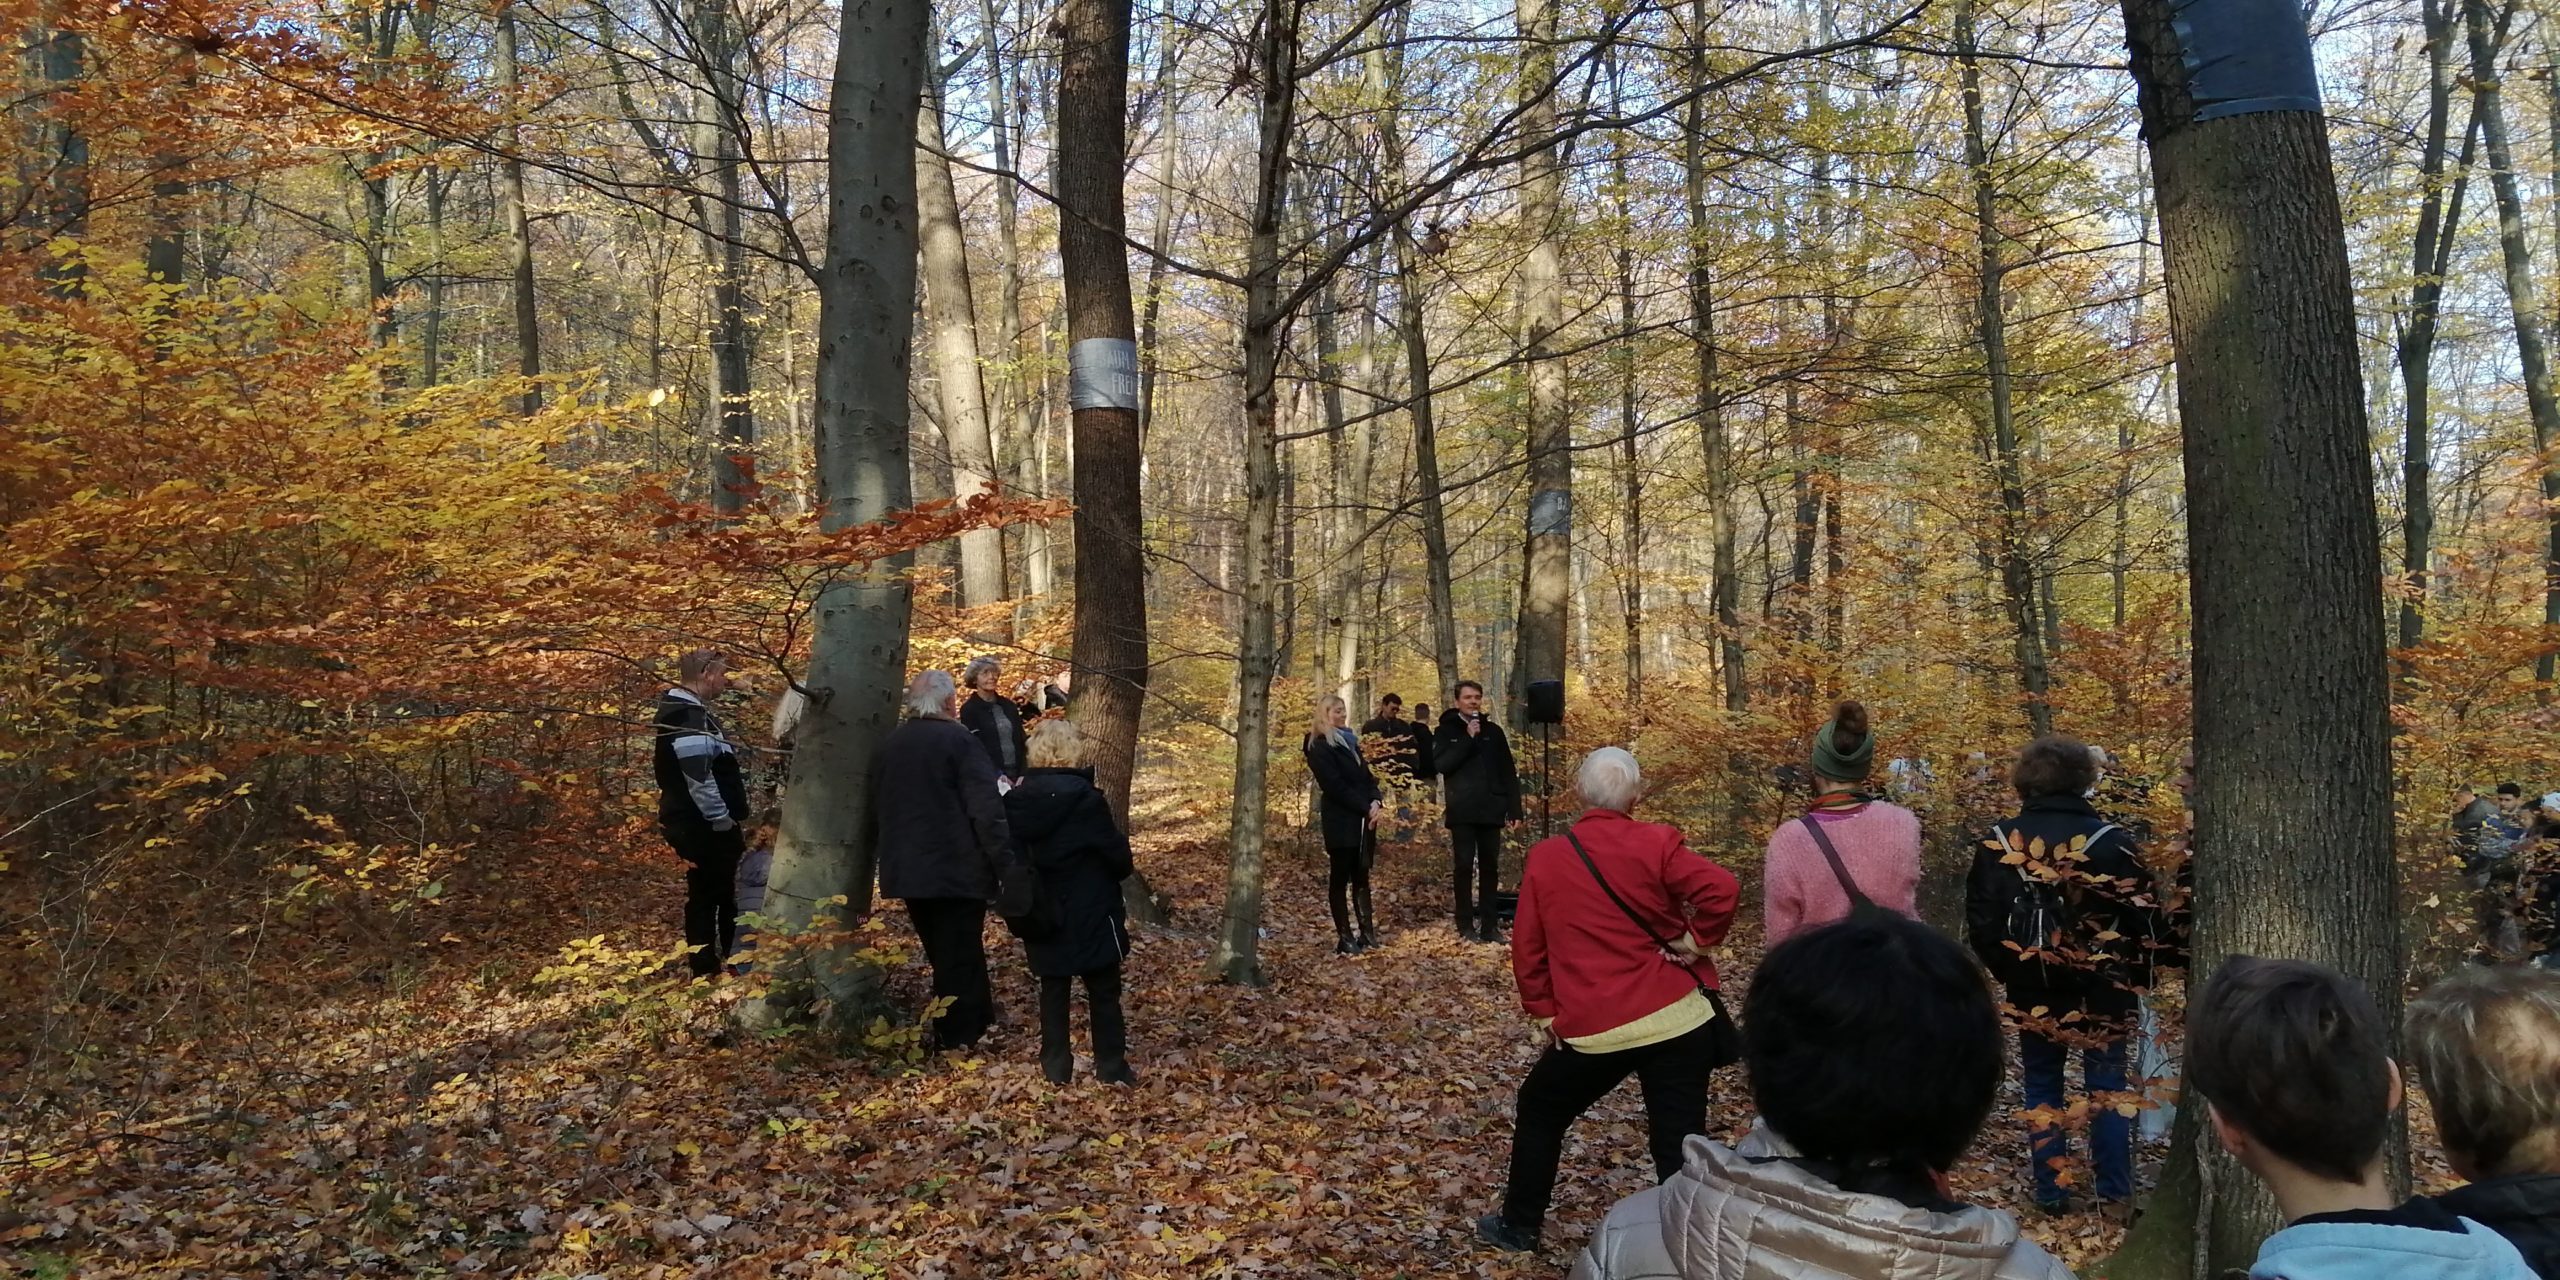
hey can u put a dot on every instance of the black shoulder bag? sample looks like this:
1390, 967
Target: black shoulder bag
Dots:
1861, 907
1724, 1040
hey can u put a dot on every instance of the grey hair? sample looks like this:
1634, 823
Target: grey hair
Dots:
1609, 779
978, 666
929, 694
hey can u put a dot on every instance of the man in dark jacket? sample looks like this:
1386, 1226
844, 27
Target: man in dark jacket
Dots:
1474, 758
2485, 1045
1406, 744
943, 848
702, 804
2071, 936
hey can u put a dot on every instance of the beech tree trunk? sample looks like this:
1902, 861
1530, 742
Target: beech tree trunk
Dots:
1546, 572
866, 317
511, 210
2290, 685
2532, 347
720, 136
2019, 582
2430, 254
1724, 574
1416, 340
1237, 955
952, 313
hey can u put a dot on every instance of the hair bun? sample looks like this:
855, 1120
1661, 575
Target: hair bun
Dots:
1848, 725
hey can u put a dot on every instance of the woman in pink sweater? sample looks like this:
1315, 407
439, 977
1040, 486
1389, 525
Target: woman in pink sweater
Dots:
1878, 842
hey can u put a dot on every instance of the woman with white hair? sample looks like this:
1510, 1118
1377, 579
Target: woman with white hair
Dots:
944, 849
1609, 950
994, 718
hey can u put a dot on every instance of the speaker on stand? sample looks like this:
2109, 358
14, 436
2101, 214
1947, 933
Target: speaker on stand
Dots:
1545, 703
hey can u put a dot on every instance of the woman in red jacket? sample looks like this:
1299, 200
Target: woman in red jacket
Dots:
1615, 917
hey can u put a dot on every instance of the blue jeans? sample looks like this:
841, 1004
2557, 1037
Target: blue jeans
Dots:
2110, 1130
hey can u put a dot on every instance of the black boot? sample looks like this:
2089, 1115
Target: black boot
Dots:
1339, 895
1057, 1050
1368, 927
1110, 1028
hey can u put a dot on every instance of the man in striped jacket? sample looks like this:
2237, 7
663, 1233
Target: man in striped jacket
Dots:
702, 804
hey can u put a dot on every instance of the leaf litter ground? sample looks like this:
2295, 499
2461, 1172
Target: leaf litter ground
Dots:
1350, 1120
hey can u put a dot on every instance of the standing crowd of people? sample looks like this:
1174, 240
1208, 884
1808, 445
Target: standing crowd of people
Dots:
1875, 1044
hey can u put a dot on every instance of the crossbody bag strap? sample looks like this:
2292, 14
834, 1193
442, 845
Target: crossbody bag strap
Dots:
1857, 896
1632, 917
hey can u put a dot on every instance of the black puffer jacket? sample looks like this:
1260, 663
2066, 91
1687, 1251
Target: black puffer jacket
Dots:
1347, 789
940, 824
2112, 891
2525, 1210
1484, 783
1064, 827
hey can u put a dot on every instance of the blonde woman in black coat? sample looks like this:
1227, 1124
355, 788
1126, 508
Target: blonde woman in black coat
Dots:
1350, 804
1078, 930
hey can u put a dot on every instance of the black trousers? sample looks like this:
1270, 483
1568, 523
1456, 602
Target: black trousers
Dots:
710, 892
1347, 886
1564, 1084
1102, 1010
1476, 845
954, 933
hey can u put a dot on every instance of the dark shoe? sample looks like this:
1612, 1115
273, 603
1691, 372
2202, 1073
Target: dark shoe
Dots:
1345, 945
1058, 1068
2054, 1208
1493, 1230
1492, 934
1368, 940
1118, 1073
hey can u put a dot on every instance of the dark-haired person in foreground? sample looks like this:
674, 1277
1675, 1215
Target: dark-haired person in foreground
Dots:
1874, 1049
2485, 1045
2289, 1058
1614, 916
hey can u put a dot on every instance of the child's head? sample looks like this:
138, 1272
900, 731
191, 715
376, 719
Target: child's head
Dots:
2291, 1056
2486, 1044
1873, 1042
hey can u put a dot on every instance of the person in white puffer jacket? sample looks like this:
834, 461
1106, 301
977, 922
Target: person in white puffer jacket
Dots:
1875, 1052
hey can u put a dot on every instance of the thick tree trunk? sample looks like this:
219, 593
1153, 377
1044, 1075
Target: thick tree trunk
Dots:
2020, 583
2290, 685
866, 315
952, 313
1237, 954
511, 210
719, 136
1546, 574
1724, 573
1102, 354
2532, 348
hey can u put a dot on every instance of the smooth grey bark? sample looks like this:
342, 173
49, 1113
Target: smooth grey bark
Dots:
1715, 443
1546, 575
952, 312
866, 317
512, 212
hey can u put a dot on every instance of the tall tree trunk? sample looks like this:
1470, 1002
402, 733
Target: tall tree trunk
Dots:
1546, 585
952, 313
1016, 393
1348, 453
2290, 682
511, 210
1630, 443
1168, 158
1102, 358
721, 133
431, 326
1416, 340
866, 315
2018, 578
2532, 351
2430, 253
1724, 574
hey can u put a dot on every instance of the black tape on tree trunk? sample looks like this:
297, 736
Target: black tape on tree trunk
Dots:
2246, 56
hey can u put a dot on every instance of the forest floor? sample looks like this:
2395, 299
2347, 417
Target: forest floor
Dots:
473, 1118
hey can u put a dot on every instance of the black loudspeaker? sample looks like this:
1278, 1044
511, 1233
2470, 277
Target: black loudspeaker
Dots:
1546, 702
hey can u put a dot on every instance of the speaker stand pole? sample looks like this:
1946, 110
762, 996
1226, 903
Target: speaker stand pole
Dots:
1546, 779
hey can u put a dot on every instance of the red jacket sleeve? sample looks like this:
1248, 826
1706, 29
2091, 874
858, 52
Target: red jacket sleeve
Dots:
1529, 945
1708, 890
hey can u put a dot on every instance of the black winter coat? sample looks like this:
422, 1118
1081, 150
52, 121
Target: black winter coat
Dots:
938, 820
1346, 788
2525, 1210
1064, 828
1484, 783
2112, 890
994, 722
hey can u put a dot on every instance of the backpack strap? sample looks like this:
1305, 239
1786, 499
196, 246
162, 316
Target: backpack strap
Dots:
1857, 897
1657, 939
